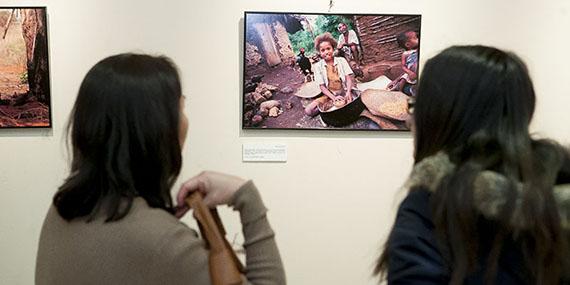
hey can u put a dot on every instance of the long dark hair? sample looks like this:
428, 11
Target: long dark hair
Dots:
124, 135
475, 103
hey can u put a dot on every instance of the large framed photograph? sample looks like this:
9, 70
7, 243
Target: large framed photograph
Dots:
329, 71
24, 69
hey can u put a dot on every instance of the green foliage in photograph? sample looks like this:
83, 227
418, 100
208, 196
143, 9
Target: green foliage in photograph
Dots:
301, 39
323, 24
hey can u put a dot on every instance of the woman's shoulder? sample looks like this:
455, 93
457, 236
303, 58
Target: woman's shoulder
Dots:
146, 238
414, 255
417, 205
153, 221
414, 217
159, 232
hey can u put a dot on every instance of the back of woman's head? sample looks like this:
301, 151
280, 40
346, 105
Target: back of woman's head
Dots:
474, 104
473, 90
124, 136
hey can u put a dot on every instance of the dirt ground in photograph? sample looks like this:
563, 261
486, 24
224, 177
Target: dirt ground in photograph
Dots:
294, 118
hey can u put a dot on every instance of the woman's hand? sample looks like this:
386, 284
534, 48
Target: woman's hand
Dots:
217, 188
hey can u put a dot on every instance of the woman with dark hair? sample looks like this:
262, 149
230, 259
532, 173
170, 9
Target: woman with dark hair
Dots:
486, 203
113, 220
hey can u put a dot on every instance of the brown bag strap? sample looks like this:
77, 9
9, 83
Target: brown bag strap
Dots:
225, 267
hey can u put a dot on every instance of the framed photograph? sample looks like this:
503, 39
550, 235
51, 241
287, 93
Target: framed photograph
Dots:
329, 71
24, 68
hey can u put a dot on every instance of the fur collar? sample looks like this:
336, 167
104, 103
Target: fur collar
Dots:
489, 195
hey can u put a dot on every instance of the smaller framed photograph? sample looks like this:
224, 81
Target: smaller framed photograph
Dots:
24, 68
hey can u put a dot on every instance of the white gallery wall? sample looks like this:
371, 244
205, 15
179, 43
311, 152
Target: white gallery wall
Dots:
333, 202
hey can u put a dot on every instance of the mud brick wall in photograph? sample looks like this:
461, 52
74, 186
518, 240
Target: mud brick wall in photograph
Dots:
378, 36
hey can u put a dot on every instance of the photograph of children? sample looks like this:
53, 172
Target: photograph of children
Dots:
24, 69
329, 71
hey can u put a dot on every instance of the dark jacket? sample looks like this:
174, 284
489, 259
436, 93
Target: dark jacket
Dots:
414, 254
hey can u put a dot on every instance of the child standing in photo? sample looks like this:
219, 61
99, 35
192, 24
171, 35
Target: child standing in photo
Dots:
406, 82
332, 74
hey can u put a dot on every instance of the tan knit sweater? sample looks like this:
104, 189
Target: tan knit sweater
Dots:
150, 246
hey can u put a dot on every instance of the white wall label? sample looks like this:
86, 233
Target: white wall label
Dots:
264, 152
